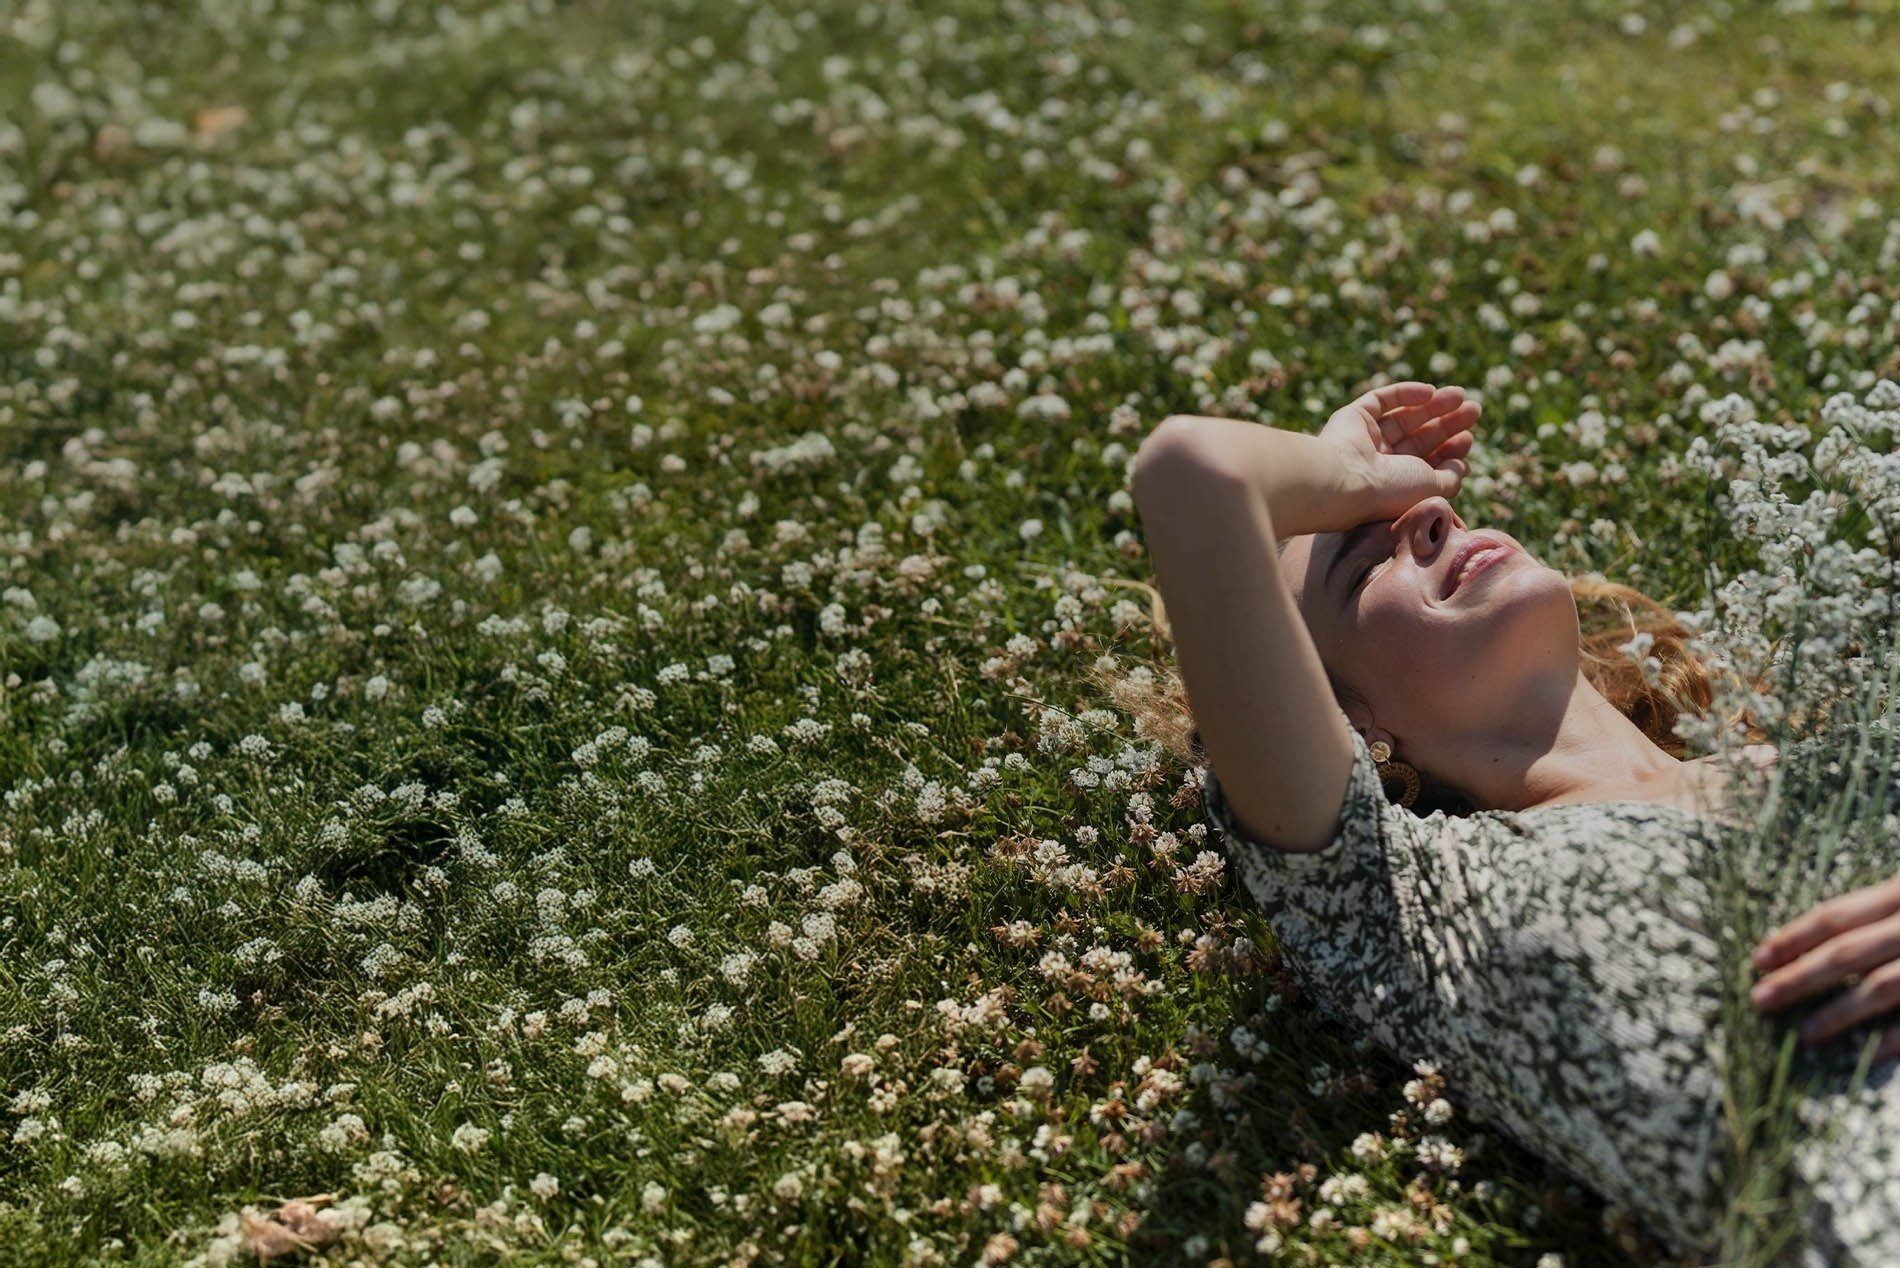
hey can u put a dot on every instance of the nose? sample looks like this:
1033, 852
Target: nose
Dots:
1427, 524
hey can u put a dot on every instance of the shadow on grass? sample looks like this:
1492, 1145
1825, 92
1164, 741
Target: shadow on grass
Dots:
1317, 1089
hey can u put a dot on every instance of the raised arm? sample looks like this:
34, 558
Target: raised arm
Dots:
1267, 717
1213, 495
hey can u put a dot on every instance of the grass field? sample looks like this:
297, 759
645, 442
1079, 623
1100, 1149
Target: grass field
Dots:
552, 557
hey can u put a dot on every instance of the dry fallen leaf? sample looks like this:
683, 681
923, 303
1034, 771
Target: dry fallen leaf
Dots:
300, 1217
215, 121
292, 1227
266, 1238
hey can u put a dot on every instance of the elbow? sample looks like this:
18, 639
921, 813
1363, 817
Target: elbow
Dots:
1171, 435
1178, 452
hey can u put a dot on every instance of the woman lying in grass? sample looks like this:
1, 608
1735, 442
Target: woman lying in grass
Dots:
1525, 907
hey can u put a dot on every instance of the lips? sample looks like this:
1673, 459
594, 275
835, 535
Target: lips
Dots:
1472, 546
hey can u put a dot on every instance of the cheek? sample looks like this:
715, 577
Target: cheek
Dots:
1393, 623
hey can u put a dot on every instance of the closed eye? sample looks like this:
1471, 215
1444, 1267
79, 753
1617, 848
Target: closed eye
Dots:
1372, 556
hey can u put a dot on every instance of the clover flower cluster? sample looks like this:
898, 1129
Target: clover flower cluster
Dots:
1814, 615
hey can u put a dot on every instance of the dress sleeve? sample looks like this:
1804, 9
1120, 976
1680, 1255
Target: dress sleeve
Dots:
1550, 959
1354, 918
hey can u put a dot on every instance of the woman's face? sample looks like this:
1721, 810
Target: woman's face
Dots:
1430, 652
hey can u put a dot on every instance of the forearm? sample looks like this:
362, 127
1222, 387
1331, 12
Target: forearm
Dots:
1243, 647
1306, 483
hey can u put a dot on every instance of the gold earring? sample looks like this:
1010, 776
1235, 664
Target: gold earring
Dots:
1391, 769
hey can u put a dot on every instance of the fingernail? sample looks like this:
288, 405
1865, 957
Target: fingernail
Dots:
1761, 994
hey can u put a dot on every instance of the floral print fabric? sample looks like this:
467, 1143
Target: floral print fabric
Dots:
1554, 962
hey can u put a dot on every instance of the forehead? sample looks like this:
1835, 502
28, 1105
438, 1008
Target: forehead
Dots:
1298, 559
1301, 548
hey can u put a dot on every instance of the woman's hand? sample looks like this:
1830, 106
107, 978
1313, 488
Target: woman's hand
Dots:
1853, 941
1403, 443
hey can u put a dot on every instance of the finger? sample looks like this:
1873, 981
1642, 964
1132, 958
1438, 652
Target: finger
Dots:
1394, 395
1429, 435
1827, 919
1458, 447
1378, 402
1396, 424
1872, 996
1441, 400
1854, 951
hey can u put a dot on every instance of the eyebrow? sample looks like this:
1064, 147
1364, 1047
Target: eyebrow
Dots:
1347, 545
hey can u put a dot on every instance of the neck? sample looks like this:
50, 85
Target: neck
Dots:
1568, 744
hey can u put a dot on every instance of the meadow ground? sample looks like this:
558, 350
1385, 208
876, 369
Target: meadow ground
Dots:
555, 557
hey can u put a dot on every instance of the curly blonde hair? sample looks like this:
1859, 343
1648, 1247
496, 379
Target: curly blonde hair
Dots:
1609, 613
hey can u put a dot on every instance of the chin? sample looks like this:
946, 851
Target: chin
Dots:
1547, 585
1532, 612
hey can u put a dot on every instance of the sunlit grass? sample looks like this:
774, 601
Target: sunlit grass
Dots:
543, 659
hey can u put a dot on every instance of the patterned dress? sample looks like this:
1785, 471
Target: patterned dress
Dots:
1557, 964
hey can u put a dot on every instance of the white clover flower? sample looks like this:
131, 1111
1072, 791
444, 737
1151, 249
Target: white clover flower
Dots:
417, 590
108, 1155
1044, 407
1339, 1190
1370, 1148
469, 1138
216, 1002
343, 1132
257, 951
737, 968
29, 1130
382, 960
1247, 1045
1439, 1154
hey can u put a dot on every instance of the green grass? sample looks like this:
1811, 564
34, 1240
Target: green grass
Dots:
685, 682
